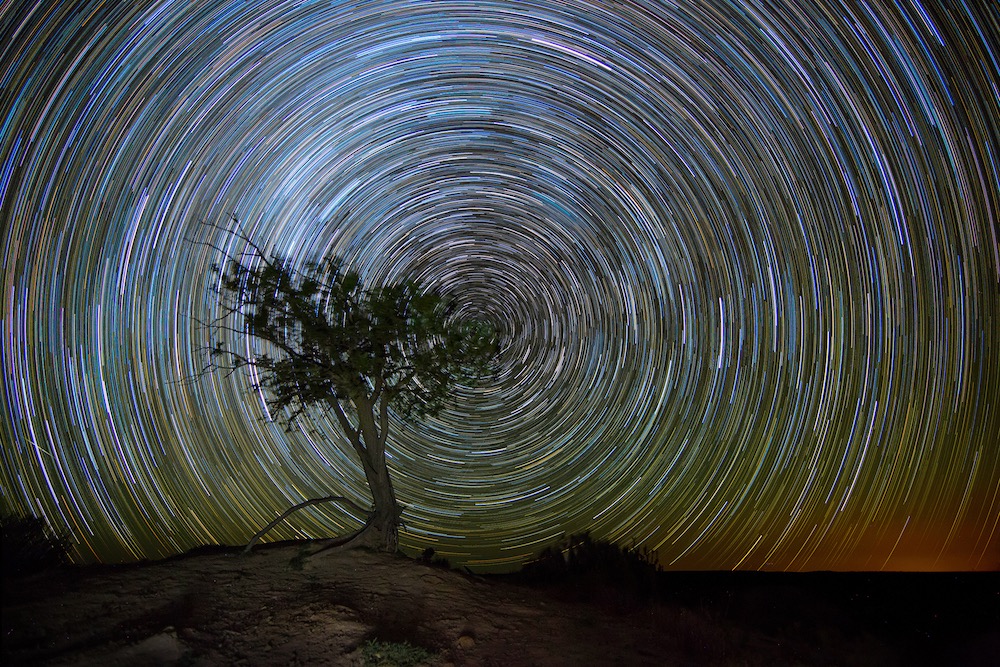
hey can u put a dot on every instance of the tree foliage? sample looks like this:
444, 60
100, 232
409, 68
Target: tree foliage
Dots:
326, 337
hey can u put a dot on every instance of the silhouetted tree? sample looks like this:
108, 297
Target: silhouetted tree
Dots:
324, 340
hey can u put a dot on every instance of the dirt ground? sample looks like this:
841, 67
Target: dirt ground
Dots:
223, 608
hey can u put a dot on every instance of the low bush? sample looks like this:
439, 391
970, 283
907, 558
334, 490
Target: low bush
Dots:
586, 563
429, 557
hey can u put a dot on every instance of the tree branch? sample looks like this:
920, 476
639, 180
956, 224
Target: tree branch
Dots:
353, 433
295, 508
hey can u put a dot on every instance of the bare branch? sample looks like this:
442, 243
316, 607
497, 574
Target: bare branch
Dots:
306, 503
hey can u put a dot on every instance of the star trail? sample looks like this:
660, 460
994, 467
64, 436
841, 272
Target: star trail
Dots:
744, 255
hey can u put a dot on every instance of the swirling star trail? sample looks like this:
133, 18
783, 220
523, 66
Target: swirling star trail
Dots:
744, 254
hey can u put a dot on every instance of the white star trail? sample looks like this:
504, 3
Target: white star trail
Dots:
744, 256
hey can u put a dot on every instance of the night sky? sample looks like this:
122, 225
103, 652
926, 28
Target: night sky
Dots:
744, 254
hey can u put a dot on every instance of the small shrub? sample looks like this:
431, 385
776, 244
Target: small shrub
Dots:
430, 558
29, 546
393, 654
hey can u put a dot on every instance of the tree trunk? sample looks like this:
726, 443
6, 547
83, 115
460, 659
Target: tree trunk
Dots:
382, 532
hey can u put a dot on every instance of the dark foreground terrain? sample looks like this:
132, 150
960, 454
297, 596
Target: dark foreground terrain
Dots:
220, 608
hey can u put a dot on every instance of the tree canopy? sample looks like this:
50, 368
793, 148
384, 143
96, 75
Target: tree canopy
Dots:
326, 336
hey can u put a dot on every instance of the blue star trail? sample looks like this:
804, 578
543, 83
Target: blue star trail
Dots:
744, 255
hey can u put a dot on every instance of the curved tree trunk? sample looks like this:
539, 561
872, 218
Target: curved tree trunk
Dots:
382, 532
